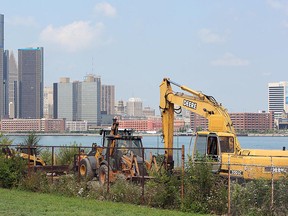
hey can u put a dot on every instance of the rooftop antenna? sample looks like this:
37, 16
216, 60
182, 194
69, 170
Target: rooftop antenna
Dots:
92, 65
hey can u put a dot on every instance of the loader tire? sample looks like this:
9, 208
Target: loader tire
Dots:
86, 171
103, 174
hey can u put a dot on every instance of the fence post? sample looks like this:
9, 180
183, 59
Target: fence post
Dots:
142, 182
178, 158
157, 144
229, 187
52, 163
108, 177
183, 172
29, 157
272, 185
78, 164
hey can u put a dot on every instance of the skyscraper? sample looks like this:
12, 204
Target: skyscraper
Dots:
30, 70
1, 65
1, 83
48, 103
13, 86
89, 100
6, 83
134, 107
120, 108
278, 98
63, 100
2, 31
108, 99
78, 101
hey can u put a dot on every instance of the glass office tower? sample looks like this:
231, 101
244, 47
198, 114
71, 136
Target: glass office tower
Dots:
30, 72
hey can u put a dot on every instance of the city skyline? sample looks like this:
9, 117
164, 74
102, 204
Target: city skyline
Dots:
228, 50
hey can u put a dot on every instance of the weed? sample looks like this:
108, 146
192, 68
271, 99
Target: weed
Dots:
163, 191
46, 155
66, 154
205, 192
35, 182
125, 191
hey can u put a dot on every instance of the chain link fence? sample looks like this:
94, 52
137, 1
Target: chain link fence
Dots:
220, 195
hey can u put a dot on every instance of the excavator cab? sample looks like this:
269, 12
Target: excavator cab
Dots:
207, 147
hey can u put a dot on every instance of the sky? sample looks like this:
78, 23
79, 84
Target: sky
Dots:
230, 50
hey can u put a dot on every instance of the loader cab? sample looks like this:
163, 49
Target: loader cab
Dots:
117, 146
123, 144
207, 148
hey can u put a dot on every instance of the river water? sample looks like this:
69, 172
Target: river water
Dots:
251, 142
247, 142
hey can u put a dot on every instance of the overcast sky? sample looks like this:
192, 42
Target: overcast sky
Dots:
228, 49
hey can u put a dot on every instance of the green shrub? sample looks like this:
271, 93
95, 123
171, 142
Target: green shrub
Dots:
66, 154
32, 140
251, 198
281, 196
46, 155
254, 197
67, 186
35, 182
163, 191
11, 171
62, 185
96, 191
125, 191
205, 192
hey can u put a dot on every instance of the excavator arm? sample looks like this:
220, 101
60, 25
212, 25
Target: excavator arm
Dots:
196, 102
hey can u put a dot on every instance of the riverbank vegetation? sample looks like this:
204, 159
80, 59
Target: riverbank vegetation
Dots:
204, 192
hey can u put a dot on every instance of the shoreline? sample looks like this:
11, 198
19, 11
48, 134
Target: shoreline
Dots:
141, 134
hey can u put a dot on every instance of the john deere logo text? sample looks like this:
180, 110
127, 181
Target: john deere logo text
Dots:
190, 104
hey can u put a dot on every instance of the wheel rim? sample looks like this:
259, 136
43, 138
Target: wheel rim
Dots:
82, 170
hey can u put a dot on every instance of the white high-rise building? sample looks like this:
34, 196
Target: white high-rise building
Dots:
89, 100
63, 99
48, 102
78, 101
120, 108
134, 107
13, 86
278, 98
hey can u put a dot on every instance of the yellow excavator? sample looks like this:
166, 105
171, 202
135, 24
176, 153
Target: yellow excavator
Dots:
219, 143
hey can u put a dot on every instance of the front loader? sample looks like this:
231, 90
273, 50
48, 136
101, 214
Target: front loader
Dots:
121, 153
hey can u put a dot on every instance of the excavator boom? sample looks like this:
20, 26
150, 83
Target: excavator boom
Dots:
196, 102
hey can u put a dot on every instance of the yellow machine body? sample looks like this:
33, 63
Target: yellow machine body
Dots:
220, 142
